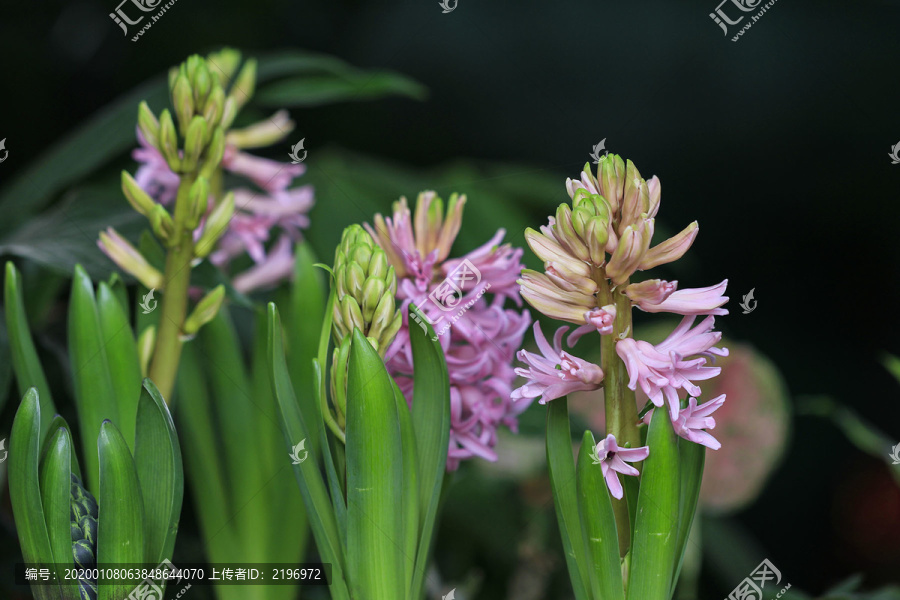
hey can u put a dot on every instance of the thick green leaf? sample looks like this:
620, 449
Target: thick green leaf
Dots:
121, 352
692, 456
599, 523
94, 395
563, 481
120, 530
318, 505
24, 489
352, 85
157, 458
410, 503
203, 456
654, 542
302, 323
66, 233
431, 424
236, 414
56, 482
374, 476
59, 423
6, 368
29, 373
279, 502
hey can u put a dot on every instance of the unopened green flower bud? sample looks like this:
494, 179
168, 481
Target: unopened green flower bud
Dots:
161, 222
146, 342
596, 236
214, 153
215, 226
229, 112
205, 311
202, 84
148, 124
372, 293
212, 110
168, 141
223, 64
198, 197
193, 143
137, 197
245, 84
340, 360
351, 314
611, 173
366, 284
183, 101
636, 198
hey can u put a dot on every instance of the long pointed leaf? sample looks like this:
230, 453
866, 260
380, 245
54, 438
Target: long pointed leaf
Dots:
599, 522
157, 458
121, 352
409, 507
24, 489
202, 457
120, 533
26, 365
656, 523
318, 505
94, 395
431, 424
692, 457
56, 482
562, 479
374, 476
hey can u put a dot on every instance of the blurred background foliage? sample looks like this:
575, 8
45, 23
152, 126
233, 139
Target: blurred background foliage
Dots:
776, 144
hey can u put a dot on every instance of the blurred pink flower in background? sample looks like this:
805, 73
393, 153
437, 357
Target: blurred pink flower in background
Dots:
275, 207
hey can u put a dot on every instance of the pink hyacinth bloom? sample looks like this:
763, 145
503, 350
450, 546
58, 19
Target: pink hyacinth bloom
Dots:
664, 369
463, 300
277, 266
600, 320
613, 460
154, 175
693, 419
554, 373
691, 301
256, 214
270, 175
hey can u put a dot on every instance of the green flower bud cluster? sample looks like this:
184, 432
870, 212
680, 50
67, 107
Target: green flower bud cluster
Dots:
366, 288
83, 514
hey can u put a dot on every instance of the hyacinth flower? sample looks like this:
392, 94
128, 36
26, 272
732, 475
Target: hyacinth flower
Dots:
183, 156
465, 301
592, 248
122, 503
374, 477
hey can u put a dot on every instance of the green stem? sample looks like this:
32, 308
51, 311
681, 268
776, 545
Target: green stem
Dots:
620, 403
167, 353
